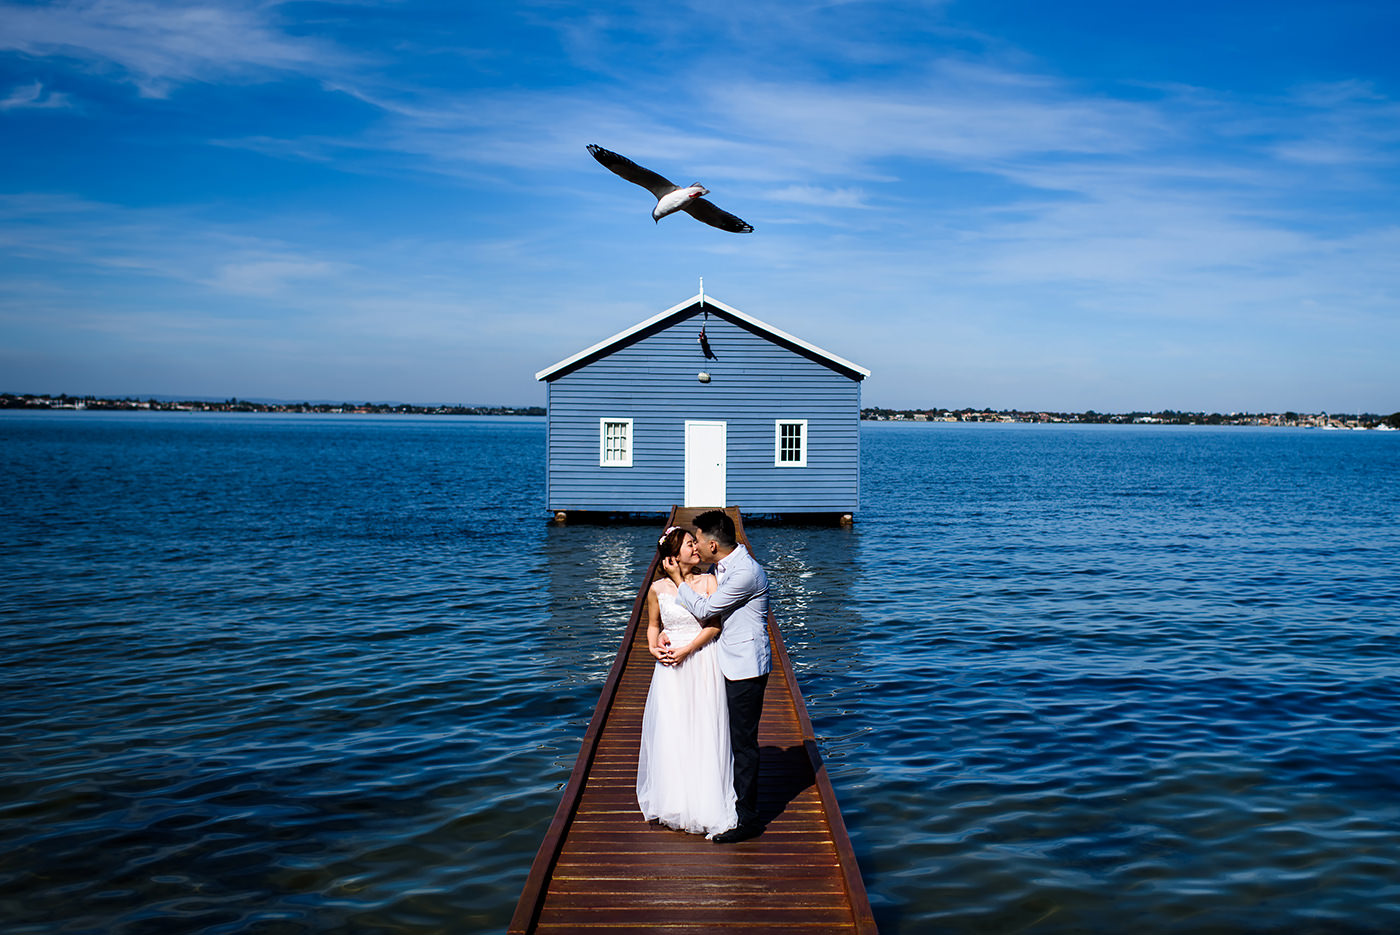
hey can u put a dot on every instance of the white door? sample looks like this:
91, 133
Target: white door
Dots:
704, 463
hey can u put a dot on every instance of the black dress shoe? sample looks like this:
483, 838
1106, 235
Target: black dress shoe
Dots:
739, 833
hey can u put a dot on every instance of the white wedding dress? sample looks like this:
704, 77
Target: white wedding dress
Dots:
685, 771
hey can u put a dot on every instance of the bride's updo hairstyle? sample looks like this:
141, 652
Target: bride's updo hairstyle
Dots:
669, 545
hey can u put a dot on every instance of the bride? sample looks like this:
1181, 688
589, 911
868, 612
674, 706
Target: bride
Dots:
685, 775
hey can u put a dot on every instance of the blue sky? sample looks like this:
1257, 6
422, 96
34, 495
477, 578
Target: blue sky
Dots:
1010, 204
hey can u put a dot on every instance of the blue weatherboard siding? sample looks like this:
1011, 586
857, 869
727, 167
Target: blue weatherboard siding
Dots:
754, 382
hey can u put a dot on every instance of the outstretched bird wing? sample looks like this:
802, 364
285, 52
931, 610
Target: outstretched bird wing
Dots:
702, 210
632, 172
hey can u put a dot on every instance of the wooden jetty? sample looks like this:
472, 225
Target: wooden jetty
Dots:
601, 867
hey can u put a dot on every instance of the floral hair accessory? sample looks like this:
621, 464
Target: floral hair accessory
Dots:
662, 541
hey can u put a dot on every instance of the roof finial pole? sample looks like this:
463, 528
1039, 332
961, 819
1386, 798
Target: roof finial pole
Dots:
702, 291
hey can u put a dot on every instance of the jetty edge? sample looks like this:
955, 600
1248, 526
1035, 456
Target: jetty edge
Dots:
601, 867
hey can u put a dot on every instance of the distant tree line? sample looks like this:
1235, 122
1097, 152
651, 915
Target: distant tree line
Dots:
1162, 417
64, 401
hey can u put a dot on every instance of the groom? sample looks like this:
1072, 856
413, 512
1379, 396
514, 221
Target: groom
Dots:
741, 602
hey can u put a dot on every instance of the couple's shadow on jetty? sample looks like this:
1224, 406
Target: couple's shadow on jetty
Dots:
784, 773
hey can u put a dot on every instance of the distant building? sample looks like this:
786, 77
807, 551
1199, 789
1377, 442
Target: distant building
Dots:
749, 416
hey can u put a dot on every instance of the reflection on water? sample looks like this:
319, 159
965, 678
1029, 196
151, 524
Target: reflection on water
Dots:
812, 572
594, 573
329, 674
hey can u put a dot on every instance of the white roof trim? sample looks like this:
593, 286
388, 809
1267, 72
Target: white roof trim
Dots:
711, 301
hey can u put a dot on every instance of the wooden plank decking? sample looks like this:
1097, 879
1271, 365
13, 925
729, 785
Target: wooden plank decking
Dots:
602, 868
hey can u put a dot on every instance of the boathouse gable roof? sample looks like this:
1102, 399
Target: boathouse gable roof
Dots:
688, 309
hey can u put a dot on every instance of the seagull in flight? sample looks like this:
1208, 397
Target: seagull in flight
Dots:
670, 197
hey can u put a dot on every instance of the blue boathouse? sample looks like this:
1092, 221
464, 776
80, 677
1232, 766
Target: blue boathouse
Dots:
703, 405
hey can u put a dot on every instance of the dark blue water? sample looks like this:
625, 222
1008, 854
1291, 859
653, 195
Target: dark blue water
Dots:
294, 674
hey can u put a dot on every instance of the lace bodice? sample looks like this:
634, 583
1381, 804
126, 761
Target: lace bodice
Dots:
679, 623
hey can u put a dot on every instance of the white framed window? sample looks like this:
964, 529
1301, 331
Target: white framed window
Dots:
790, 443
615, 442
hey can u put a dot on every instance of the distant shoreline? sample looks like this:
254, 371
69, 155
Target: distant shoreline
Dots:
131, 404
1287, 419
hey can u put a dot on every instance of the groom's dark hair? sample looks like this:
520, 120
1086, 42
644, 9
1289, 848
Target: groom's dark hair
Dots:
717, 525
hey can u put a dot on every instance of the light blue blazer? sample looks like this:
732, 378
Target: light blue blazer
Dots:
741, 602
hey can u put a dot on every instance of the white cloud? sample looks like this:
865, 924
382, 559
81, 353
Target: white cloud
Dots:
821, 197
953, 115
1349, 127
32, 96
161, 44
271, 276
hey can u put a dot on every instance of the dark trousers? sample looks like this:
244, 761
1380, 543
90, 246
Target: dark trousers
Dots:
745, 698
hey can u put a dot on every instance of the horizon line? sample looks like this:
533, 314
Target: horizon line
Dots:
274, 401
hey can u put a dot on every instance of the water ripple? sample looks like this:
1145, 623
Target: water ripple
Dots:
329, 674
